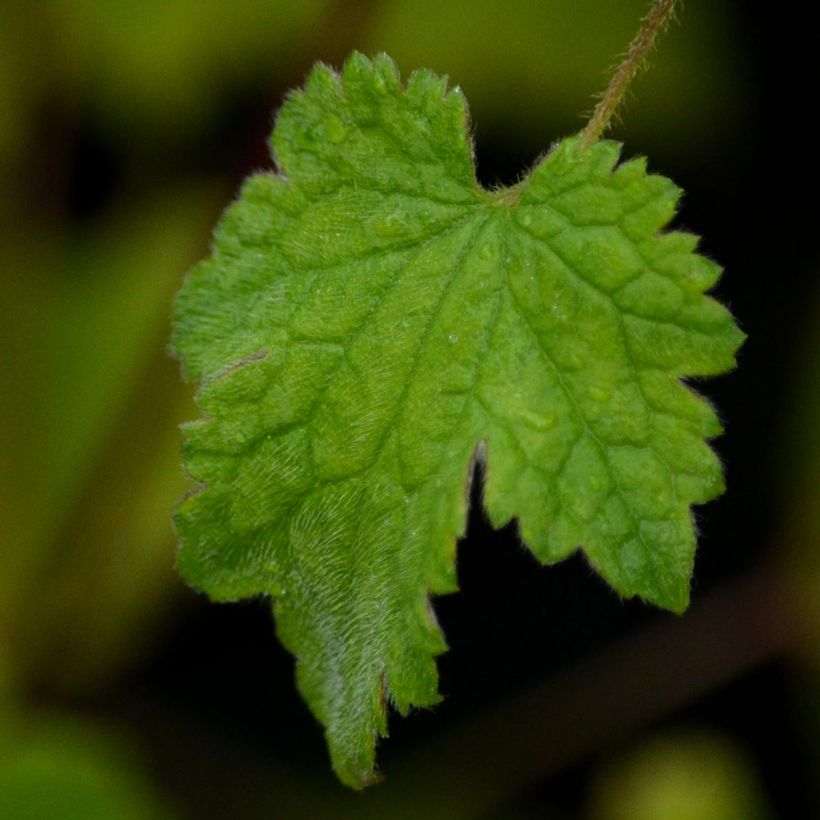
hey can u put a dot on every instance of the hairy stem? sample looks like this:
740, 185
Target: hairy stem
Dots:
660, 14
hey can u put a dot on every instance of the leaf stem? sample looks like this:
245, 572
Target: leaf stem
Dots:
654, 22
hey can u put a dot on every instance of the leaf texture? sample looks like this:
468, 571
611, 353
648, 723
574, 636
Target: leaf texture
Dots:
372, 320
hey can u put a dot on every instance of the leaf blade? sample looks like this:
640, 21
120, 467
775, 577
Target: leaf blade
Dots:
371, 319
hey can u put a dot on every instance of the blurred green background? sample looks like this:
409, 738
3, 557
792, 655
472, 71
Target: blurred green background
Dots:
125, 128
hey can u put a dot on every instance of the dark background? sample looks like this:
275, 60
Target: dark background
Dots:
124, 694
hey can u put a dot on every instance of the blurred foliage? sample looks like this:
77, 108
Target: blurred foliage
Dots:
687, 776
61, 769
529, 66
89, 456
161, 66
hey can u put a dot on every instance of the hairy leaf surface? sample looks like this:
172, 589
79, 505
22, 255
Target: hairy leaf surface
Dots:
372, 320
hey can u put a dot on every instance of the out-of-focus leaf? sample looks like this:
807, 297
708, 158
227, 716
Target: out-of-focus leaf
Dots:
114, 313
29, 315
161, 65
89, 416
56, 768
681, 777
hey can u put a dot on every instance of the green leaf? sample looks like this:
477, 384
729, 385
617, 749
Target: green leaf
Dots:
372, 321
